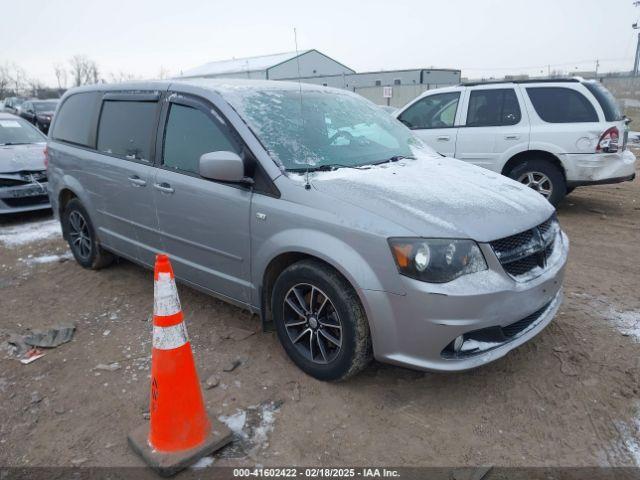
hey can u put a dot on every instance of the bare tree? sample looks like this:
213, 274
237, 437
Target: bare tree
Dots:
119, 77
19, 80
35, 86
5, 80
163, 73
83, 70
61, 75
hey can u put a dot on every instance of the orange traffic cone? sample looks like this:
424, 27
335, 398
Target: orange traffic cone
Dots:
180, 432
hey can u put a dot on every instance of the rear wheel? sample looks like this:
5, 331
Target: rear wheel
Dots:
542, 176
82, 238
320, 321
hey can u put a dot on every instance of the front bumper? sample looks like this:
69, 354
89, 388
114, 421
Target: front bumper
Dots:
414, 329
24, 198
599, 168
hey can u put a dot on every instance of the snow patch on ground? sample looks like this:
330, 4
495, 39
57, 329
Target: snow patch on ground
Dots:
235, 422
631, 436
19, 235
251, 428
204, 462
627, 322
31, 260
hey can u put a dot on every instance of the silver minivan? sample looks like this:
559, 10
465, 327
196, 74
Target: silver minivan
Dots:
313, 208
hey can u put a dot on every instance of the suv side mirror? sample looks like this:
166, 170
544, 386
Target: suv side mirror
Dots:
223, 166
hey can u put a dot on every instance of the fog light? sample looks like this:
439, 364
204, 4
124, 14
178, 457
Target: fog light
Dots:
457, 343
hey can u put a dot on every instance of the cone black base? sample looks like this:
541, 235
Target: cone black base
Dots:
168, 464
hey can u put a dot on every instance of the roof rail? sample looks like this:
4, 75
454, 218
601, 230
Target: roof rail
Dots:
529, 80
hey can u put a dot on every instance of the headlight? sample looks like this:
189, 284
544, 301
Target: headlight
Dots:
436, 260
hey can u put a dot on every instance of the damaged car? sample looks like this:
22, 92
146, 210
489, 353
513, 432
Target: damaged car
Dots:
315, 209
23, 177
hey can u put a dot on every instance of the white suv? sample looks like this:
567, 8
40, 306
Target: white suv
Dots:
552, 135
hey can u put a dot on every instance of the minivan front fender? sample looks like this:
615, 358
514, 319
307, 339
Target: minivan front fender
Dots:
325, 247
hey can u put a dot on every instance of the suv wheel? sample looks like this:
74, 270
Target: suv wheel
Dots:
543, 177
82, 238
320, 321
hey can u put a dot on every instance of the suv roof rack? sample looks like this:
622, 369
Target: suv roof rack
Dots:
529, 80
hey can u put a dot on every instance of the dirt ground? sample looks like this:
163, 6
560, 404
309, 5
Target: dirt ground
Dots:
570, 397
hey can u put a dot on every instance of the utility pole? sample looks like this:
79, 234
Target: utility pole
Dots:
636, 63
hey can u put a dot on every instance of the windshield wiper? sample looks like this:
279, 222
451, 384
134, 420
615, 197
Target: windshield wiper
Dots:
395, 158
325, 168
13, 143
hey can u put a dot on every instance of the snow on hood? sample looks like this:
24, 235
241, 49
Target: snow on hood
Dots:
15, 158
435, 196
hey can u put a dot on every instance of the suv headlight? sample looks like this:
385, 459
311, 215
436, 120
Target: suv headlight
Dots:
436, 260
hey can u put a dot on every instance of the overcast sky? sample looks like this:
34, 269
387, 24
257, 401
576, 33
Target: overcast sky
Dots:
483, 37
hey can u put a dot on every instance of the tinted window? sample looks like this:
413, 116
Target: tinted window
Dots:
126, 129
607, 101
493, 108
75, 121
561, 105
434, 111
189, 134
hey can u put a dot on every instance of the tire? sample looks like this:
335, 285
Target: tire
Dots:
548, 175
85, 245
316, 352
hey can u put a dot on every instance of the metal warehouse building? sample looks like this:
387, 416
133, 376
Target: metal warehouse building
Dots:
390, 87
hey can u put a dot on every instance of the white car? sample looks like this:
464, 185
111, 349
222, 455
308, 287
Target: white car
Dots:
552, 135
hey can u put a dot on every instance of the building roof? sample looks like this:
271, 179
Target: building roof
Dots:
242, 65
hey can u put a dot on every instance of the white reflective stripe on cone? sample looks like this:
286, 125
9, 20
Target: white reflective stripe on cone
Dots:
165, 296
168, 338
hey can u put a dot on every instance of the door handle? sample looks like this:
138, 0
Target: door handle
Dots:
444, 138
164, 187
512, 137
136, 181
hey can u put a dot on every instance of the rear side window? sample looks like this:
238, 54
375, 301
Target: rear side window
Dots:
126, 129
434, 111
607, 101
189, 134
75, 121
490, 108
561, 105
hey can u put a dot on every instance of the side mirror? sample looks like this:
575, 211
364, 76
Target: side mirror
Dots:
223, 166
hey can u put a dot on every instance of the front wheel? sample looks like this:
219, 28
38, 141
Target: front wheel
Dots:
320, 321
542, 176
81, 236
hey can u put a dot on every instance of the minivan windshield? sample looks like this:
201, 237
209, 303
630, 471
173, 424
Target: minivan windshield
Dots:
316, 129
16, 131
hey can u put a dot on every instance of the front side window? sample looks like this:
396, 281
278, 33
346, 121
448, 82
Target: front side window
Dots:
126, 129
190, 133
561, 105
434, 111
496, 107
16, 131
320, 128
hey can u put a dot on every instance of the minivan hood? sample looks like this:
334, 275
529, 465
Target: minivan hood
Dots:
437, 196
16, 158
